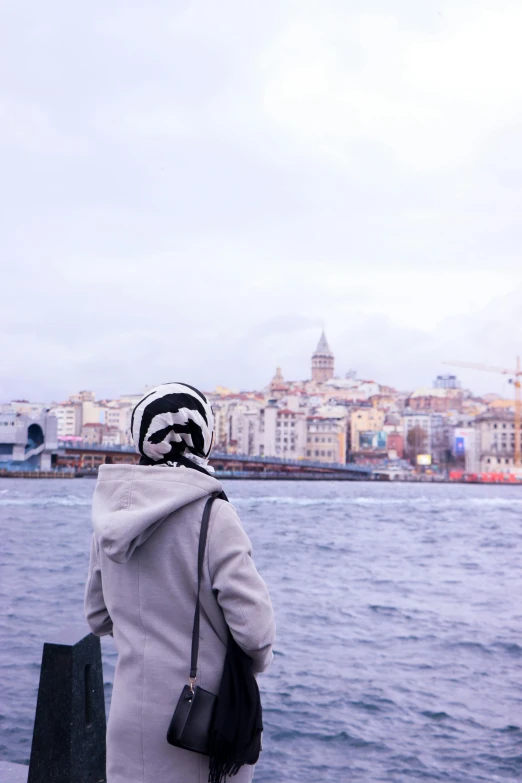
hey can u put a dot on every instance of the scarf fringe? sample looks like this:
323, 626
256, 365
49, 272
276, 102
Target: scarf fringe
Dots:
222, 765
220, 769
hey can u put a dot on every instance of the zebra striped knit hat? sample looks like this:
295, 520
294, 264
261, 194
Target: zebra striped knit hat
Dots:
173, 420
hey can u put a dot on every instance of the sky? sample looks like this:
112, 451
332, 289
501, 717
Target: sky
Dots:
192, 190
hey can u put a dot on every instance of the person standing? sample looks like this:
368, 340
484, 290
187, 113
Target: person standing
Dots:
142, 582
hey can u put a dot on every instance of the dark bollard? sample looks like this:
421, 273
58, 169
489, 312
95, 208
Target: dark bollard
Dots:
69, 726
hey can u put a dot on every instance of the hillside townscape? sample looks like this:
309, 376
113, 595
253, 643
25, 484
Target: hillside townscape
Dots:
329, 419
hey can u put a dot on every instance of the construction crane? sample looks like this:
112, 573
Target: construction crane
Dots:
515, 377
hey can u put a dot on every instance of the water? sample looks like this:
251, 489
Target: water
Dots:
399, 651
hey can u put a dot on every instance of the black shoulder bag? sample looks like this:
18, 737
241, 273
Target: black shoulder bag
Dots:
227, 726
191, 723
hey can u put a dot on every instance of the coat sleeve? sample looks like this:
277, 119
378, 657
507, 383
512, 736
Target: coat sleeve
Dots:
239, 589
96, 612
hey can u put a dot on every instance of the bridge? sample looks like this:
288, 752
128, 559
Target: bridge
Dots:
87, 459
233, 465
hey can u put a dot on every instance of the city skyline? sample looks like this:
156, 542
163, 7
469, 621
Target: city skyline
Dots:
195, 187
323, 344
505, 393
325, 418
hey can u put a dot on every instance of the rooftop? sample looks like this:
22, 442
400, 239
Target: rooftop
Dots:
322, 346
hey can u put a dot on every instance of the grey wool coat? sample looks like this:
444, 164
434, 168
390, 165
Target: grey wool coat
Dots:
142, 589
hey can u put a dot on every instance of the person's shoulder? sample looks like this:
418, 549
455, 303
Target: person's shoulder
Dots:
224, 513
226, 528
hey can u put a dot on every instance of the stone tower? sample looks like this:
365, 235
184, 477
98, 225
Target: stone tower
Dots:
278, 385
322, 362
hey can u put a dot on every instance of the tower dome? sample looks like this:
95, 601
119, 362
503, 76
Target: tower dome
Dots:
278, 386
322, 361
278, 382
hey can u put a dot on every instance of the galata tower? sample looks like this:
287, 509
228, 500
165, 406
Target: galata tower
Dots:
322, 362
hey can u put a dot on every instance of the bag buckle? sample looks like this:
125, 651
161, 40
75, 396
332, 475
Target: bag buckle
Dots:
192, 682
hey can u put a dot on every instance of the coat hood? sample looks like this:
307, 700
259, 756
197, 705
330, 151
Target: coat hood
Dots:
131, 501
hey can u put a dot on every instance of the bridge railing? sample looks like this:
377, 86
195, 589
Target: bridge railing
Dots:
301, 463
216, 456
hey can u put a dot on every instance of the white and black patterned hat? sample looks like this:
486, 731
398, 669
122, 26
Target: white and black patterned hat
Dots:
172, 419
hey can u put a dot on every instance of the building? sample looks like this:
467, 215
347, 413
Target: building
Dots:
495, 441
322, 362
82, 409
92, 411
92, 433
326, 439
283, 432
365, 424
395, 445
446, 382
112, 436
440, 400
464, 449
426, 433
134, 399
394, 436
32, 409
219, 408
117, 418
248, 433
242, 426
351, 389
68, 418
83, 396
384, 401
27, 443
237, 422
278, 386
291, 432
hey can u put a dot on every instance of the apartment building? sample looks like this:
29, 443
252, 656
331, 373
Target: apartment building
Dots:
117, 419
69, 419
283, 432
326, 439
362, 421
440, 400
495, 441
92, 433
432, 431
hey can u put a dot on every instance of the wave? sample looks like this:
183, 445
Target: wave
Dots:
435, 715
39, 502
284, 500
340, 736
383, 609
437, 503
511, 648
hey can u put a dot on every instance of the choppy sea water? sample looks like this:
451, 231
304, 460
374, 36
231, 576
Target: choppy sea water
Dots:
399, 613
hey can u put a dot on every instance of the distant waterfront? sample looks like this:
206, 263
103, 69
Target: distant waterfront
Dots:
384, 474
398, 654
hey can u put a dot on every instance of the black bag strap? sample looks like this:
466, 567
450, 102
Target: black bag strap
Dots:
201, 557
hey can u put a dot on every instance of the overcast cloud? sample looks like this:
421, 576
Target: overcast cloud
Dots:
190, 190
